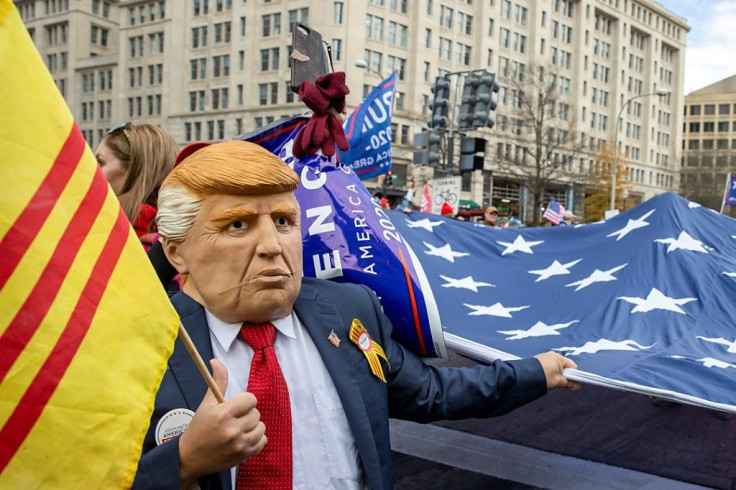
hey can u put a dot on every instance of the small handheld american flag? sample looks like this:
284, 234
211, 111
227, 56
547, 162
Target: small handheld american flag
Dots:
554, 212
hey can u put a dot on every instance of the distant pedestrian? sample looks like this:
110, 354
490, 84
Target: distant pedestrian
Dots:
490, 216
567, 218
515, 223
407, 203
135, 159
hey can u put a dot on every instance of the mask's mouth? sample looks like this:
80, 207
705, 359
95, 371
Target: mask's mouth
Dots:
268, 275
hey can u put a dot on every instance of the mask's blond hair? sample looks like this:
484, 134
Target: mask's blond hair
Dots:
233, 167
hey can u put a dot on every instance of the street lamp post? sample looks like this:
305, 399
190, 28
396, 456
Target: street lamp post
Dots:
364, 65
660, 92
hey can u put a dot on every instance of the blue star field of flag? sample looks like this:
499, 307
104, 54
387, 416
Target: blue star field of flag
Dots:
643, 302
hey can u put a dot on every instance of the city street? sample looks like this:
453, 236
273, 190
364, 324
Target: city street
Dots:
593, 438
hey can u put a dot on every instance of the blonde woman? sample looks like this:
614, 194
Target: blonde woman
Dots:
136, 158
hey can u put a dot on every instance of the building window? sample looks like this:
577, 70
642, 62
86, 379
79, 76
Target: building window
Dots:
104, 33
400, 101
337, 49
338, 12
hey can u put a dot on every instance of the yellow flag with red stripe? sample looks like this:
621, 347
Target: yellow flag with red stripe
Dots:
85, 326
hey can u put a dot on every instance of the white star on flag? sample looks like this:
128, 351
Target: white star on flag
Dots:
693, 205
656, 300
683, 242
603, 344
464, 283
731, 346
597, 276
425, 223
494, 310
710, 362
446, 252
540, 329
730, 274
556, 269
632, 225
519, 245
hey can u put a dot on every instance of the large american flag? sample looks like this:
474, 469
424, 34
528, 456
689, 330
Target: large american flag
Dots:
643, 302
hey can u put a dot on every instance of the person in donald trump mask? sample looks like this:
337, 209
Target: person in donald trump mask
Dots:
308, 368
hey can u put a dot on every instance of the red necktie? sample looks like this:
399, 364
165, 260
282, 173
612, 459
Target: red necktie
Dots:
272, 467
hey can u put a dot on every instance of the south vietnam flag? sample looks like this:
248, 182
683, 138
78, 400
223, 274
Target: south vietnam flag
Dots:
85, 327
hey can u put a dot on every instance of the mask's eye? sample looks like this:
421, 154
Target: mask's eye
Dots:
237, 225
282, 221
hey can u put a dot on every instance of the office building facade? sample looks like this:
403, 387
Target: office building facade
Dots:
709, 143
212, 69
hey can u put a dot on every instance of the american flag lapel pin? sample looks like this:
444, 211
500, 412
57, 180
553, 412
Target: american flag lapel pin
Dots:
334, 339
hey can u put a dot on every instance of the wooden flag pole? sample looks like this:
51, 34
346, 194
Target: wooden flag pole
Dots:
200, 363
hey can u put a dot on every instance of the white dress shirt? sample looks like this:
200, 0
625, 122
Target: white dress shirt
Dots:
324, 450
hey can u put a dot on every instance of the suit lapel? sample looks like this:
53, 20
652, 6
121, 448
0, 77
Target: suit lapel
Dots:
320, 318
191, 383
182, 366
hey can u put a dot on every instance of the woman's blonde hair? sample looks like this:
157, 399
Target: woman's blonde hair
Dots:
231, 168
147, 153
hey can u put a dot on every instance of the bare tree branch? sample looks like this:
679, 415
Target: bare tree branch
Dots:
542, 123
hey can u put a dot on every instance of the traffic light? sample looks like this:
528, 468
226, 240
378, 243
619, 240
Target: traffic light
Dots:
479, 101
488, 91
440, 104
433, 149
469, 158
470, 87
429, 142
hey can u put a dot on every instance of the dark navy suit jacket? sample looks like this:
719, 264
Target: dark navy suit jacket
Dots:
413, 391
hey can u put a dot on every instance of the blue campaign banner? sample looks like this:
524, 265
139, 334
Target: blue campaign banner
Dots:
368, 130
731, 197
348, 238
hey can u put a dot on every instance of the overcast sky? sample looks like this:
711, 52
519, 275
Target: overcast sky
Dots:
711, 43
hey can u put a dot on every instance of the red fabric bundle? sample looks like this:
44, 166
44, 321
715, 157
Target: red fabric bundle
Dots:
324, 130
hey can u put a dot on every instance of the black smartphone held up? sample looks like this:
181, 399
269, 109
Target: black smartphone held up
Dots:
309, 56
